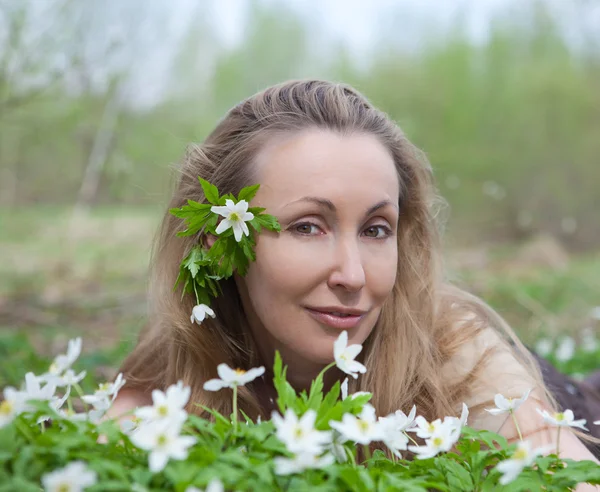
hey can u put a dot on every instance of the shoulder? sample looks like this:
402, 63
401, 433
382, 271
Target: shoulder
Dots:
484, 366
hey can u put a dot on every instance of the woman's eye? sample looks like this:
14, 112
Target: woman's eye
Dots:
377, 231
306, 228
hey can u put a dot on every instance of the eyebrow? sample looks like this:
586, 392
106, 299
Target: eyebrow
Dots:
324, 202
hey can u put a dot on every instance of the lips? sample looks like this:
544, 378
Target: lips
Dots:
337, 318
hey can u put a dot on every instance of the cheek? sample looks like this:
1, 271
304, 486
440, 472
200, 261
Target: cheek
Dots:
281, 271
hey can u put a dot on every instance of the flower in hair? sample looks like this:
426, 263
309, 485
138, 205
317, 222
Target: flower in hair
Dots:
236, 215
228, 377
345, 354
202, 269
200, 312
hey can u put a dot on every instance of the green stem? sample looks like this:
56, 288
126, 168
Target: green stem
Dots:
235, 408
367, 451
325, 369
413, 441
558, 442
81, 393
512, 413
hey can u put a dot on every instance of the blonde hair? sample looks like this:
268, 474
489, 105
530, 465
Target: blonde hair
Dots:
422, 324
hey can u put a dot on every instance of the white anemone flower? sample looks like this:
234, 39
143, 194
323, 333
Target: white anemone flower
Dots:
301, 462
344, 391
425, 429
597, 422
105, 394
232, 377
345, 354
394, 438
523, 456
12, 405
214, 486
200, 312
63, 362
34, 391
441, 440
69, 378
163, 441
74, 477
507, 405
544, 346
363, 429
166, 405
565, 350
300, 435
562, 419
236, 215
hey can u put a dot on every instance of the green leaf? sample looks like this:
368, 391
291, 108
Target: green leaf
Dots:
210, 191
248, 193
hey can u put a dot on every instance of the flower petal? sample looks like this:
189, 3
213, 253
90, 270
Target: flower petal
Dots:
215, 385
223, 226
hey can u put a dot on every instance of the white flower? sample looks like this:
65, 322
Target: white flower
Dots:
163, 441
403, 421
597, 422
507, 405
69, 378
167, 405
63, 362
200, 312
562, 419
337, 448
236, 215
105, 394
214, 486
74, 477
34, 391
301, 462
425, 429
344, 391
522, 457
442, 439
565, 350
232, 377
345, 354
12, 405
544, 346
589, 341
300, 435
363, 429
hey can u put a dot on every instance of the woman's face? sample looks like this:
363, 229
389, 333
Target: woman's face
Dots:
336, 198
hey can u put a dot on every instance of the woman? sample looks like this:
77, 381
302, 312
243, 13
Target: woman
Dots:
358, 250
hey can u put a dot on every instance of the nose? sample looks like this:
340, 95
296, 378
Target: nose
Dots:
348, 270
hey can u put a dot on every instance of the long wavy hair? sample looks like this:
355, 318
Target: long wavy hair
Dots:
422, 324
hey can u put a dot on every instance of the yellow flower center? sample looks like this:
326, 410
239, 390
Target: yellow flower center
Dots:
298, 433
438, 441
520, 454
6, 408
363, 426
104, 387
163, 411
560, 416
430, 427
161, 440
240, 372
234, 217
53, 368
64, 487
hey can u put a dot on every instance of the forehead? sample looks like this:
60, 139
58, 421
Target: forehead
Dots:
323, 163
